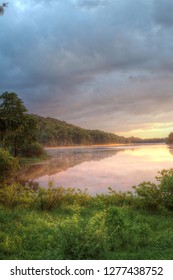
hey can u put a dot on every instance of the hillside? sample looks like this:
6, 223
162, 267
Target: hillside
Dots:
53, 132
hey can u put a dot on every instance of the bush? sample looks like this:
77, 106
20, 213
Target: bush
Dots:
166, 187
33, 150
114, 198
149, 196
137, 235
96, 238
115, 223
14, 195
8, 166
48, 199
70, 238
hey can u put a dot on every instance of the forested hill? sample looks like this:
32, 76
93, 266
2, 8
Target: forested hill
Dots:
53, 132
20, 131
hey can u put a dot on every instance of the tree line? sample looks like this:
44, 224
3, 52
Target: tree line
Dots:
53, 132
19, 129
21, 132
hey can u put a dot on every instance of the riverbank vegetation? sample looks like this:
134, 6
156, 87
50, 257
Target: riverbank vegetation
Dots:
60, 223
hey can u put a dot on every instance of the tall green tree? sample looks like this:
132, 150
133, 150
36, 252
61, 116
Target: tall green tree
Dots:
12, 113
17, 128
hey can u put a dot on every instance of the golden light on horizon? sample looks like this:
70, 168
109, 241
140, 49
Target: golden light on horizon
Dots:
151, 130
156, 155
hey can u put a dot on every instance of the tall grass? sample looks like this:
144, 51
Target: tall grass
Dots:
134, 234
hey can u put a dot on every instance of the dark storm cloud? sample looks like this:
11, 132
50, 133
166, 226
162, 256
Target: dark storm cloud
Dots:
91, 62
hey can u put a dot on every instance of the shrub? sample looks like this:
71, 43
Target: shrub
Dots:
81, 197
149, 196
70, 238
96, 238
166, 187
136, 235
114, 198
115, 224
14, 195
48, 199
33, 150
8, 166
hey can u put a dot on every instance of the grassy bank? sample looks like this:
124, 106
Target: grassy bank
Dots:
75, 232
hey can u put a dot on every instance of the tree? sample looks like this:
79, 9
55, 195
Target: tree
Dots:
25, 136
12, 112
2, 8
17, 128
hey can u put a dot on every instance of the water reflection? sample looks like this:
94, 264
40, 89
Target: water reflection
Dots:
64, 158
98, 168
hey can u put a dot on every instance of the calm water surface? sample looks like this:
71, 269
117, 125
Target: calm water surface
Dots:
99, 167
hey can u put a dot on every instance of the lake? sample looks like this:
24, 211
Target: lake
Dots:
99, 167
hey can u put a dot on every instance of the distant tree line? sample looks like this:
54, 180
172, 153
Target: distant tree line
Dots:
147, 140
52, 132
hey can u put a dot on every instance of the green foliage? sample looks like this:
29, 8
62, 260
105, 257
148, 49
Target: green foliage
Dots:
85, 234
48, 199
139, 235
60, 223
8, 166
166, 187
32, 150
52, 132
16, 195
70, 237
96, 241
148, 196
17, 128
114, 198
126, 232
115, 224
12, 112
79, 196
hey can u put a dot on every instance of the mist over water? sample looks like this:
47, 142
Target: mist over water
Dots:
99, 167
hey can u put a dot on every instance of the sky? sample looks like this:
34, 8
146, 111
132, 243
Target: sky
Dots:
98, 64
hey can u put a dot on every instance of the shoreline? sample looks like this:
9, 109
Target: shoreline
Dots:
101, 145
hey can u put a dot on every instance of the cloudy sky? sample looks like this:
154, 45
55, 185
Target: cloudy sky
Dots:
99, 64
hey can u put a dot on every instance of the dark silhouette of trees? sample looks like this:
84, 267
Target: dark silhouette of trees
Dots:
170, 138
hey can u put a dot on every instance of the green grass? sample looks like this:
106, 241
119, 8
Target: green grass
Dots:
74, 232
60, 223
